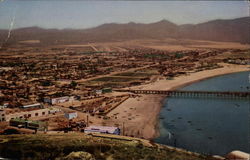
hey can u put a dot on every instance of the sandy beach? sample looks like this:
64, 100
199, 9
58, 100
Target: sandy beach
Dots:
139, 115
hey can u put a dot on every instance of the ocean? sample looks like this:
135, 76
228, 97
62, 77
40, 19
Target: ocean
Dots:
213, 126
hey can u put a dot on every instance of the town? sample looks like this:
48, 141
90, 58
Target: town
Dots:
73, 88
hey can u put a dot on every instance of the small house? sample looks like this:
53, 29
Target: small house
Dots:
71, 115
56, 100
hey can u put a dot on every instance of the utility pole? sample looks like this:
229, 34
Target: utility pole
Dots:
87, 120
123, 129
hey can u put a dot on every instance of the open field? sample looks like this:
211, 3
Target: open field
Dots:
123, 78
167, 44
177, 45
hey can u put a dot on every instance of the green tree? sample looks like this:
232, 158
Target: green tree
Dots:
73, 84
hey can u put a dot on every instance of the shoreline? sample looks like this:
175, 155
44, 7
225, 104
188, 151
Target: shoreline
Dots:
148, 107
187, 84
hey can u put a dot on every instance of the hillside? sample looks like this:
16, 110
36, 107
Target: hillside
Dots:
235, 30
63, 146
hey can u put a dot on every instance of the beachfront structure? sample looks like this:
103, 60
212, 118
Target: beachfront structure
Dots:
71, 115
102, 129
57, 100
7, 116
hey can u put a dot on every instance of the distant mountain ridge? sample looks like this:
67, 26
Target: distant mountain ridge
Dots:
232, 30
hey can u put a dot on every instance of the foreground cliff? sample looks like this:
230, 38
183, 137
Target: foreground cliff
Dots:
81, 146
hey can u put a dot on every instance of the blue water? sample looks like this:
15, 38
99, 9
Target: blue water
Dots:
208, 125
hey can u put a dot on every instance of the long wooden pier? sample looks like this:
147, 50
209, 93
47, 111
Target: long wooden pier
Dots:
179, 93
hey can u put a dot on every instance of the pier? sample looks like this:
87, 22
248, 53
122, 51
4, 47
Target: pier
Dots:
179, 93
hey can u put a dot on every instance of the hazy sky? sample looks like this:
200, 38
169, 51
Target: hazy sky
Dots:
85, 14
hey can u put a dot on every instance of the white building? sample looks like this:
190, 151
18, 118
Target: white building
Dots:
4, 116
71, 115
57, 100
102, 129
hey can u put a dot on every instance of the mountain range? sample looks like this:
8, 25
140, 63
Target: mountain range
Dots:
230, 30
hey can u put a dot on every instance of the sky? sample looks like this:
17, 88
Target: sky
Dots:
86, 14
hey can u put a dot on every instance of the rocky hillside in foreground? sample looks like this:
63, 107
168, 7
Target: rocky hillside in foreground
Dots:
233, 30
88, 147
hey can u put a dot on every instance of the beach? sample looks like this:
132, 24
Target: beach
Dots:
138, 116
